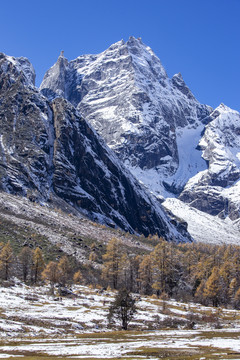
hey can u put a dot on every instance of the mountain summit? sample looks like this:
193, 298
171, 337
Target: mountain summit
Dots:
173, 144
126, 95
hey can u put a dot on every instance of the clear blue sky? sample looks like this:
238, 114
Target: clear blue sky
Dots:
199, 38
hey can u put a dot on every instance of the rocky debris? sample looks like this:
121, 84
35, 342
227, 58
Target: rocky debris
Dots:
65, 231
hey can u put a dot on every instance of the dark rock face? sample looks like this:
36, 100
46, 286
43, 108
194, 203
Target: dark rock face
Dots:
90, 177
210, 202
26, 139
47, 151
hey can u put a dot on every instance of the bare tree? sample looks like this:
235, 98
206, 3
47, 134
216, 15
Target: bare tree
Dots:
25, 259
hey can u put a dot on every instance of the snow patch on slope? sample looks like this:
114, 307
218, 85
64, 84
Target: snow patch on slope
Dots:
190, 158
190, 164
204, 227
220, 144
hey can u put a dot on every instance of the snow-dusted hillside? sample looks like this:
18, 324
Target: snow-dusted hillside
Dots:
35, 324
204, 227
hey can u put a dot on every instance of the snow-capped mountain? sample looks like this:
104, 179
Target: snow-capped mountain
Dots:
144, 116
49, 153
173, 144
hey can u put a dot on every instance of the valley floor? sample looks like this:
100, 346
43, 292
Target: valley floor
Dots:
36, 325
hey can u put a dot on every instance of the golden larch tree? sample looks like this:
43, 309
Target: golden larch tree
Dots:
51, 274
6, 259
38, 264
111, 265
212, 290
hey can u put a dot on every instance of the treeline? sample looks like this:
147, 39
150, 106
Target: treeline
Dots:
29, 265
189, 272
194, 271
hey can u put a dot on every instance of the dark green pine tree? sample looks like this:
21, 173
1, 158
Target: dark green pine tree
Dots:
122, 309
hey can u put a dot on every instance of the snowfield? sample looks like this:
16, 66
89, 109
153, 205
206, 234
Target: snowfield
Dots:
38, 324
204, 227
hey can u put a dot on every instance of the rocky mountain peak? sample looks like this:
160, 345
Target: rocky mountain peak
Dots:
134, 45
170, 142
179, 83
16, 68
126, 95
58, 80
222, 108
144, 59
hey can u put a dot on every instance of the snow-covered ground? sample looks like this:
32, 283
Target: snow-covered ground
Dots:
34, 322
202, 226
107, 347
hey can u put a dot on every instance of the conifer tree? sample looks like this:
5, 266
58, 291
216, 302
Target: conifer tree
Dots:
135, 276
233, 286
38, 264
123, 308
6, 259
199, 293
125, 271
64, 270
51, 274
145, 275
237, 299
93, 256
78, 277
25, 259
112, 257
212, 289
236, 265
161, 266
225, 274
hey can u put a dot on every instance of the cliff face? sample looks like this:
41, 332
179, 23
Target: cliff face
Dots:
27, 133
48, 151
89, 176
